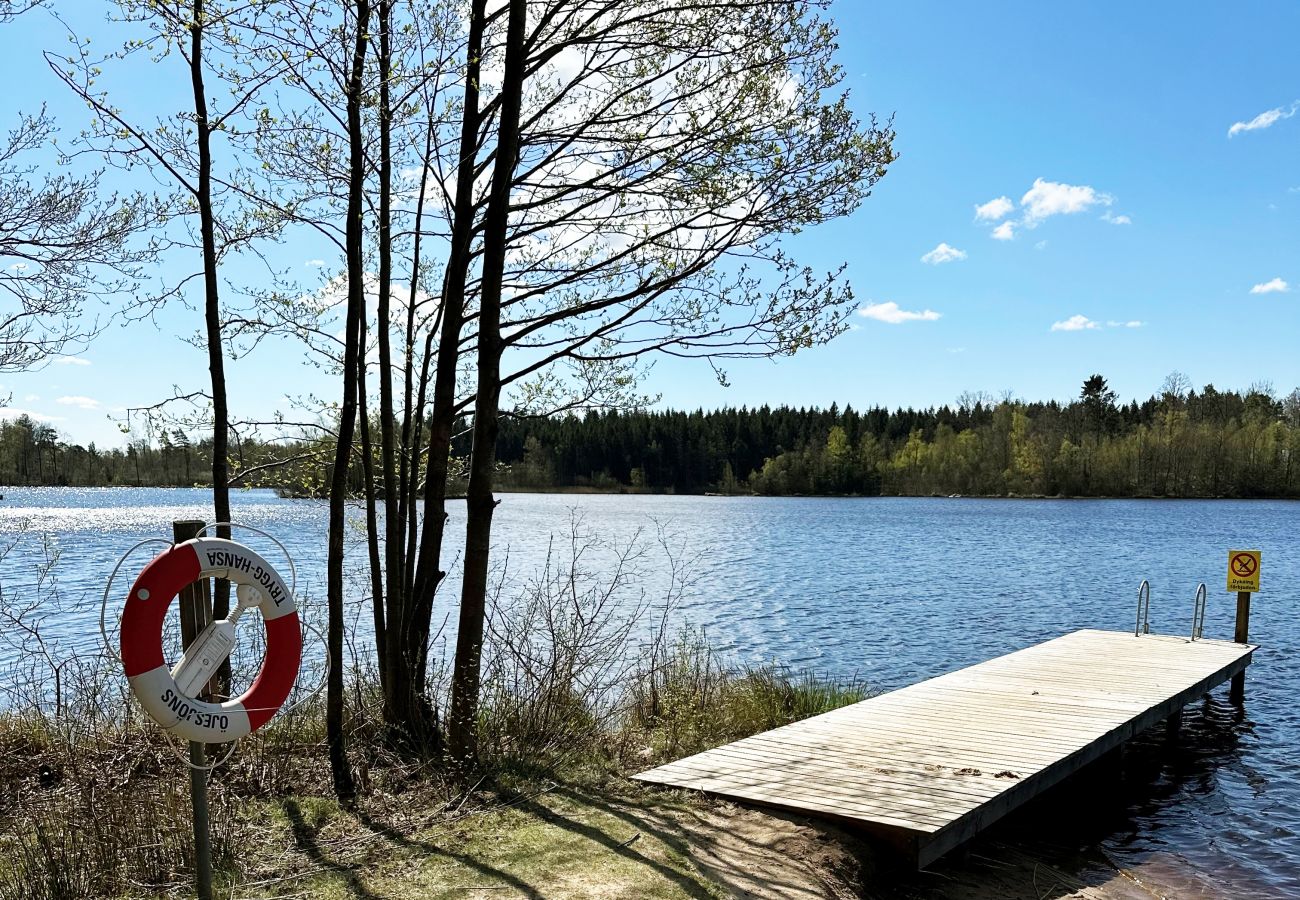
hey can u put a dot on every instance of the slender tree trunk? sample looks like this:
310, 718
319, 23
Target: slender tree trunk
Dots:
399, 699
372, 516
463, 720
344, 786
413, 409
428, 572
211, 311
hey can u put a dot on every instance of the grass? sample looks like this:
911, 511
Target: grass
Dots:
548, 841
101, 809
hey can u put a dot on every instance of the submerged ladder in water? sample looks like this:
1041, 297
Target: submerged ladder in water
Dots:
929, 766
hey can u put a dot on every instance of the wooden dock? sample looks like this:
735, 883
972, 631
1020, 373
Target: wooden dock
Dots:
929, 766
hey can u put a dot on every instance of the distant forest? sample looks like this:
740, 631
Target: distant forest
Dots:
1179, 443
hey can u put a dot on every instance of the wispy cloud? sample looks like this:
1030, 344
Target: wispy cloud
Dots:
890, 313
70, 361
1131, 323
1041, 245
942, 254
1075, 323
314, 263
13, 412
1264, 119
1276, 286
1116, 220
997, 208
1004, 232
78, 402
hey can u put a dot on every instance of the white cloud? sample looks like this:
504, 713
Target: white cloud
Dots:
1003, 232
1132, 323
70, 361
890, 313
1116, 220
1264, 119
942, 254
1075, 323
13, 412
314, 263
31, 398
997, 208
18, 267
1276, 286
1054, 198
1041, 245
78, 402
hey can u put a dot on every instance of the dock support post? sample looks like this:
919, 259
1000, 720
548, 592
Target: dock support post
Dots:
1174, 724
196, 612
1238, 692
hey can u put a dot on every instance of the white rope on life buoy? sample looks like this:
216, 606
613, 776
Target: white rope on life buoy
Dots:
155, 685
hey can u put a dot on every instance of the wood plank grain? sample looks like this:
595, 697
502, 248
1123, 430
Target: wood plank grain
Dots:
920, 764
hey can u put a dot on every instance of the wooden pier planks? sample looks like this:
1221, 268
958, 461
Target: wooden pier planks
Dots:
930, 765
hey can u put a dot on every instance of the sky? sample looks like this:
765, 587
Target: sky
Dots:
1104, 187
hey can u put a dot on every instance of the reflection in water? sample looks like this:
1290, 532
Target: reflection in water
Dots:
895, 591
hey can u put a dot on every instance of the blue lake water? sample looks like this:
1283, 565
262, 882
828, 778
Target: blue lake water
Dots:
890, 590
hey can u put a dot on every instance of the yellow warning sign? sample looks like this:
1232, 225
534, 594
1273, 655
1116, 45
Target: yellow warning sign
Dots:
1243, 570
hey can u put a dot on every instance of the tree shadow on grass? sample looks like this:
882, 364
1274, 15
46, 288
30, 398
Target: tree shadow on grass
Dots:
305, 837
625, 849
745, 853
403, 840
532, 807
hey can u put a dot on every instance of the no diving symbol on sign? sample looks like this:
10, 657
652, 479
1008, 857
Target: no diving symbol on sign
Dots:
1243, 570
1244, 565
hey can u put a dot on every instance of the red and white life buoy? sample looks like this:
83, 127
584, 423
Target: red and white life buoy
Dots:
142, 650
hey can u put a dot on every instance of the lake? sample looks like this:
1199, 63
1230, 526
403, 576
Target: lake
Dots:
891, 590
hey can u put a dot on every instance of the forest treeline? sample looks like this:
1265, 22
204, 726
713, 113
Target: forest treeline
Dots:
1177, 443
34, 453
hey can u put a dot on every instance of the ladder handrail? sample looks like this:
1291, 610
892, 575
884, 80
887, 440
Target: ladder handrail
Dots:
1198, 611
1143, 625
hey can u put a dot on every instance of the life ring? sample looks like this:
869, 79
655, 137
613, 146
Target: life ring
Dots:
141, 641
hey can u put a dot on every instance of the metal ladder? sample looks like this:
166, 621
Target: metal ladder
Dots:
1143, 626
1198, 611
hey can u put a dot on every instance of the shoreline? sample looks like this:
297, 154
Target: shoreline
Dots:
628, 491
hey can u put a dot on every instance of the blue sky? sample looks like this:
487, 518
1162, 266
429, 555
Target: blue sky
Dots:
1143, 236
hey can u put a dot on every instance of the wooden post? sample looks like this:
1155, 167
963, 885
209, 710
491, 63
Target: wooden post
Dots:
196, 612
1238, 692
1174, 724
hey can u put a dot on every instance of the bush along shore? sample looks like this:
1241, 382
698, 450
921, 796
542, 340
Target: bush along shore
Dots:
95, 799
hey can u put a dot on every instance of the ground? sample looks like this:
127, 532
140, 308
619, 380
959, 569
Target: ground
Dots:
623, 840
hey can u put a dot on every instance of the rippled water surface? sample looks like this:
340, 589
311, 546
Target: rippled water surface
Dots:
893, 591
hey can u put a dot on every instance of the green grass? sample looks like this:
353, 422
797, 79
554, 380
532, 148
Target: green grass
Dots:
547, 841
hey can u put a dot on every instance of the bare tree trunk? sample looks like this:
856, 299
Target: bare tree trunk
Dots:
344, 785
428, 572
212, 317
463, 719
372, 517
211, 304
